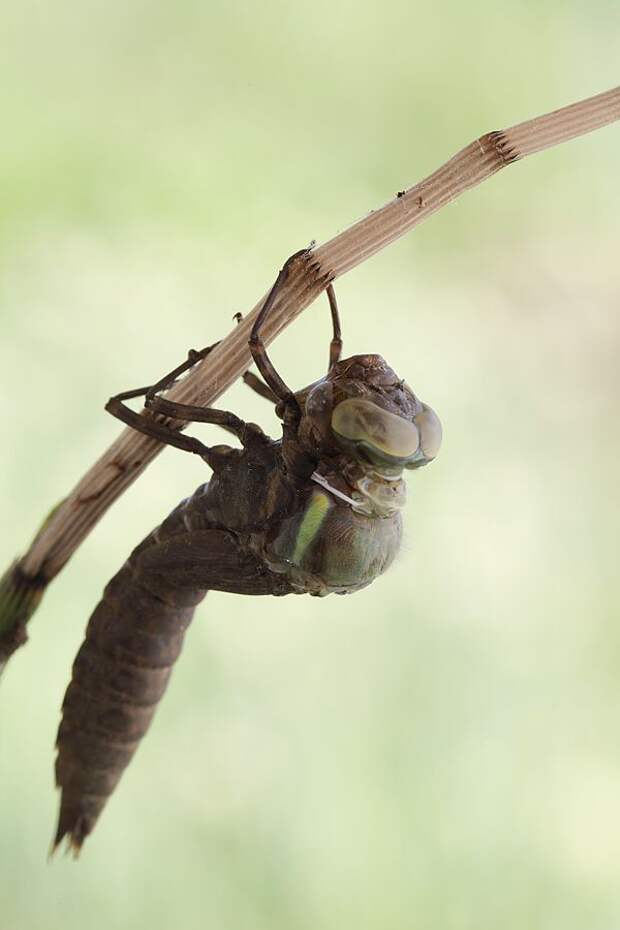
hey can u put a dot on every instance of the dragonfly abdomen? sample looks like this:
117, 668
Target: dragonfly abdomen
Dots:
133, 639
120, 673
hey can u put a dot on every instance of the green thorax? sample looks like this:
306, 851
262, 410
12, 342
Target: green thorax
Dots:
328, 546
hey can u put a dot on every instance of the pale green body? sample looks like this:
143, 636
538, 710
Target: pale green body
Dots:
327, 546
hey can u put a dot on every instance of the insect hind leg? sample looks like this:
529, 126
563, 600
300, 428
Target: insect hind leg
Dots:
150, 423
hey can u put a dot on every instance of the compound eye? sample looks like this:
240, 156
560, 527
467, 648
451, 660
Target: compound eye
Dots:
431, 432
361, 421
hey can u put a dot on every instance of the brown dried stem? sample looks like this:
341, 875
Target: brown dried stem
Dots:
129, 455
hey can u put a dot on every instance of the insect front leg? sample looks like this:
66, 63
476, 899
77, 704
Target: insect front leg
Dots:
257, 346
259, 352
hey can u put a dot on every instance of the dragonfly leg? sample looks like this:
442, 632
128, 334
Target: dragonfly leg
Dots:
156, 429
258, 386
192, 414
257, 347
252, 380
335, 346
151, 427
163, 384
215, 456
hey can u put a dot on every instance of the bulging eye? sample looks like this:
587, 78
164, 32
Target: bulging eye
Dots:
388, 435
431, 432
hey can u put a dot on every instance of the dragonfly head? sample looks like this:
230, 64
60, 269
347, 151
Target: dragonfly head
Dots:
362, 410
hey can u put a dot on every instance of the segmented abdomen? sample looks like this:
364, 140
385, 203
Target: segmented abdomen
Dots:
132, 641
121, 671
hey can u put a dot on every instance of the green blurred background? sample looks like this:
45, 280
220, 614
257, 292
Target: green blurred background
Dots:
443, 749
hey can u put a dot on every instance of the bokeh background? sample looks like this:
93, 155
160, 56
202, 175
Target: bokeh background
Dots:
443, 749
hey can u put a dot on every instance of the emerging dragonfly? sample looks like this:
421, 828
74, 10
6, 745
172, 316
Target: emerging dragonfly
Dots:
317, 511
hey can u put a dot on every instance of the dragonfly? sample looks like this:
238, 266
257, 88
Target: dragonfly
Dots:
317, 511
